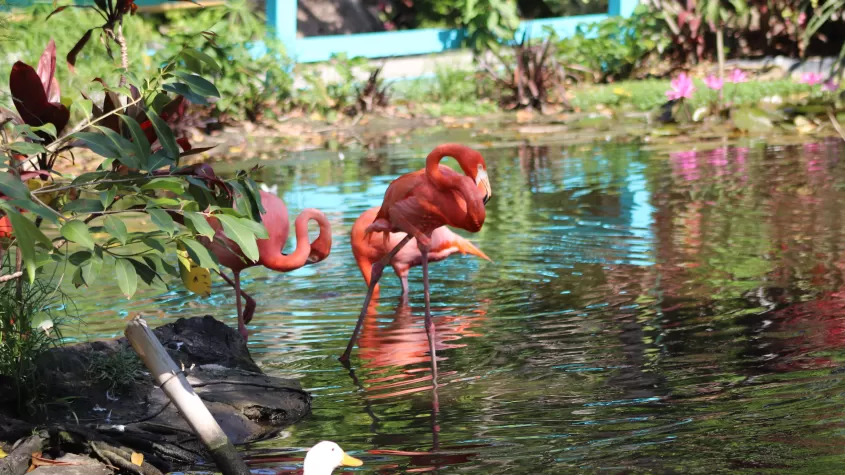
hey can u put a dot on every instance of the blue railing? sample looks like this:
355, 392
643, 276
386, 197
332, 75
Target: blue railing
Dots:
281, 16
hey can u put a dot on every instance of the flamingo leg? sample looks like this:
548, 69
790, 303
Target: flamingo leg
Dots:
241, 327
429, 323
378, 268
403, 299
249, 308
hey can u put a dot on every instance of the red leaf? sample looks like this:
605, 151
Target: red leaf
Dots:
149, 131
31, 100
173, 110
47, 72
77, 48
195, 151
110, 103
184, 143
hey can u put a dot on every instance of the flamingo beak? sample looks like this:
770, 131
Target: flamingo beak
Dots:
483, 182
349, 461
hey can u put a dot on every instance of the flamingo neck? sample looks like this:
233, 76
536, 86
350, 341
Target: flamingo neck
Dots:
432, 165
271, 251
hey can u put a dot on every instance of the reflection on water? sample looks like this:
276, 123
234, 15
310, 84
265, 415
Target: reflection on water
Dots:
677, 312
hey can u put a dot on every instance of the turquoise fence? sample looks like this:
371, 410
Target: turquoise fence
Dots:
281, 16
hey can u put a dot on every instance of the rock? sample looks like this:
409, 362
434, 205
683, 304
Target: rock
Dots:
246, 403
98, 469
81, 466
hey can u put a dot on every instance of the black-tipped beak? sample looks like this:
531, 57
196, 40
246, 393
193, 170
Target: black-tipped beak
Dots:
486, 199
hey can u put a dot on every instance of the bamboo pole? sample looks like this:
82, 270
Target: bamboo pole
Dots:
173, 382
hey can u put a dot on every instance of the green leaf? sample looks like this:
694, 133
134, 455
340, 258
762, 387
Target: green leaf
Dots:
99, 144
26, 148
167, 183
164, 134
91, 270
198, 224
153, 243
182, 89
128, 152
204, 58
139, 139
116, 228
77, 280
257, 228
13, 187
36, 208
127, 278
147, 274
79, 257
163, 221
26, 235
200, 254
107, 197
83, 206
197, 84
89, 177
752, 120
242, 235
77, 231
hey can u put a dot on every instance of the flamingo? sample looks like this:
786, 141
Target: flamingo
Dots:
275, 219
369, 249
419, 203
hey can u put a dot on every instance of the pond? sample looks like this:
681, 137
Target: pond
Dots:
658, 309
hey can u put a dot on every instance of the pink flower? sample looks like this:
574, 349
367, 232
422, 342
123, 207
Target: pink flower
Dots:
802, 19
713, 82
680, 87
737, 76
811, 79
830, 86
685, 164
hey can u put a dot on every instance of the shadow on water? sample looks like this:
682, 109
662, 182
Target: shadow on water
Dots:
645, 311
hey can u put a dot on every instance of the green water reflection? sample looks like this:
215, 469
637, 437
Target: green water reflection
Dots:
645, 312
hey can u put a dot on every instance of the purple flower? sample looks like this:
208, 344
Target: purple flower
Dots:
737, 76
811, 79
830, 86
713, 82
680, 87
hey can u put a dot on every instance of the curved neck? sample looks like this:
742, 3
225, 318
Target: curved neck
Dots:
271, 252
322, 246
432, 164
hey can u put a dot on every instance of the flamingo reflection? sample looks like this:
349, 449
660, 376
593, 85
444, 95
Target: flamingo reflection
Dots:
403, 345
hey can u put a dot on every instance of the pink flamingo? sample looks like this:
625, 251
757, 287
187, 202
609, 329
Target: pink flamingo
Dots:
275, 219
417, 204
369, 249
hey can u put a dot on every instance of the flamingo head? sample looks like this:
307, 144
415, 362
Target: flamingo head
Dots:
475, 167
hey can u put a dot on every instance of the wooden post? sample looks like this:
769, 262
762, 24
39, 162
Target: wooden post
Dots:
281, 18
172, 381
623, 8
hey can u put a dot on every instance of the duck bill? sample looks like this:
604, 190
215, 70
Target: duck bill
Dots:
349, 461
483, 182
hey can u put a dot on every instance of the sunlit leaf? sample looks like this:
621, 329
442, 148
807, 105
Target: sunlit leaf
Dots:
77, 231
163, 220
199, 224
199, 254
116, 228
27, 235
127, 278
241, 234
13, 187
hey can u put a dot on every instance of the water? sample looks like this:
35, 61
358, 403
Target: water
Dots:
647, 310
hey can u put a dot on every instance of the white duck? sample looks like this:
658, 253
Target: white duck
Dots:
326, 456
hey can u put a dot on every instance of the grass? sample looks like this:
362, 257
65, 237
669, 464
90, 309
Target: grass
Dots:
649, 95
31, 318
117, 371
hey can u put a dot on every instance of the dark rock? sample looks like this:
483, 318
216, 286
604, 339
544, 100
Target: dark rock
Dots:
246, 403
199, 341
